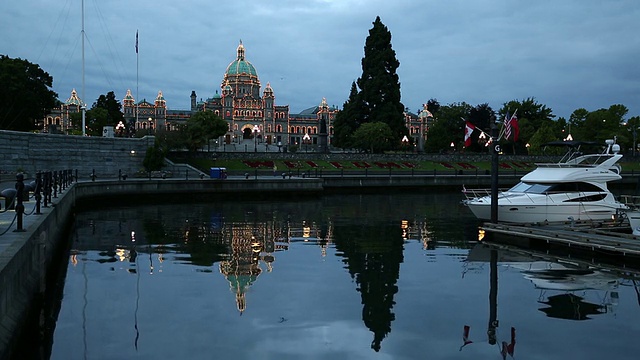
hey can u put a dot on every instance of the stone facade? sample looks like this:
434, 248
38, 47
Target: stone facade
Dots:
29, 153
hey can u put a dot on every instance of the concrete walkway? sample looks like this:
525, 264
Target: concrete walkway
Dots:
8, 221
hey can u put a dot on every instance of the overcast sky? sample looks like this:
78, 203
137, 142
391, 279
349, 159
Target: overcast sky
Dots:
567, 54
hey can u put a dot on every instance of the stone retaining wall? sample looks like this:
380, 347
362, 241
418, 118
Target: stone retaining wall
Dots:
29, 152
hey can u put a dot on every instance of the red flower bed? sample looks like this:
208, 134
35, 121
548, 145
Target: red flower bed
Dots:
312, 164
447, 165
361, 164
409, 165
258, 164
387, 165
521, 165
290, 164
336, 164
466, 165
505, 166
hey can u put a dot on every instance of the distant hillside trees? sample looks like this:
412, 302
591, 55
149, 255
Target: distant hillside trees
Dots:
25, 94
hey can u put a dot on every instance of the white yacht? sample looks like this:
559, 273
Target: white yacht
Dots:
574, 189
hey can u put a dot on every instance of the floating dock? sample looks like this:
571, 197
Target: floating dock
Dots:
603, 238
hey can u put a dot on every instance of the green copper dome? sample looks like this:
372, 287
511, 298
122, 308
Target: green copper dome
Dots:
240, 65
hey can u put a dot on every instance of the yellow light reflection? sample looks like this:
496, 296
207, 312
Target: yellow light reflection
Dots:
121, 254
480, 234
404, 225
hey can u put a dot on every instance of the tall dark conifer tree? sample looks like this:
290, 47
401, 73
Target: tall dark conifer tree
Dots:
347, 120
379, 84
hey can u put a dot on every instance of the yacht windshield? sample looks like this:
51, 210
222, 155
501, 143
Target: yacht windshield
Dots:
536, 188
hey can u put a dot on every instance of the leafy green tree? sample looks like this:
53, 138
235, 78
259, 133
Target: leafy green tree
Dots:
481, 116
448, 127
434, 107
379, 83
174, 139
76, 123
599, 125
633, 128
543, 135
105, 111
95, 119
25, 94
576, 120
154, 158
374, 137
110, 103
202, 127
531, 117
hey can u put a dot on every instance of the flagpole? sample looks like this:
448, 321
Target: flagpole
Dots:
83, 105
137, 80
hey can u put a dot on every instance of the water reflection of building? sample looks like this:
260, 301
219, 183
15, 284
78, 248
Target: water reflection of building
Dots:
253, 244
417, 230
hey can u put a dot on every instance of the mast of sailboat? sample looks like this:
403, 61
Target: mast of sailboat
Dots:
83, 105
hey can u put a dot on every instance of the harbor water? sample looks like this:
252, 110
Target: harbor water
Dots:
384, 276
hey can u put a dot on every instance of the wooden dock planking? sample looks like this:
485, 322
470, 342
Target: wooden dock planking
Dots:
577, 236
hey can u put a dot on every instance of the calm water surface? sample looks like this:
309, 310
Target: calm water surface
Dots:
341, 277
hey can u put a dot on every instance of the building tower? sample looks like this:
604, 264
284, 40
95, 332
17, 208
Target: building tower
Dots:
323, 136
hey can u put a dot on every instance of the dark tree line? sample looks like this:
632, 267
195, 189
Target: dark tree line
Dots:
536, 124
25, 94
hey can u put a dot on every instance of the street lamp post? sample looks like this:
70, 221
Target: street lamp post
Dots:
305, 140
256, 131
120, 129
424, 122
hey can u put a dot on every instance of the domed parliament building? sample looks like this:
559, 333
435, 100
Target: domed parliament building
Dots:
250, 111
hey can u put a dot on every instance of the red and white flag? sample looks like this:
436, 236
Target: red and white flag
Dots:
511, 127
468, 130
514, 127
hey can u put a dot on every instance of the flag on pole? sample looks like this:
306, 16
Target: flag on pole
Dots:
136, 41
514, 126
468, 130
507, 126
511, 127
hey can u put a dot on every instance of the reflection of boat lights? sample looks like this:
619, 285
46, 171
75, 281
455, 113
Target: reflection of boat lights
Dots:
306, 232
122, 254
404, 225
480, 234
133, 236
74, 259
